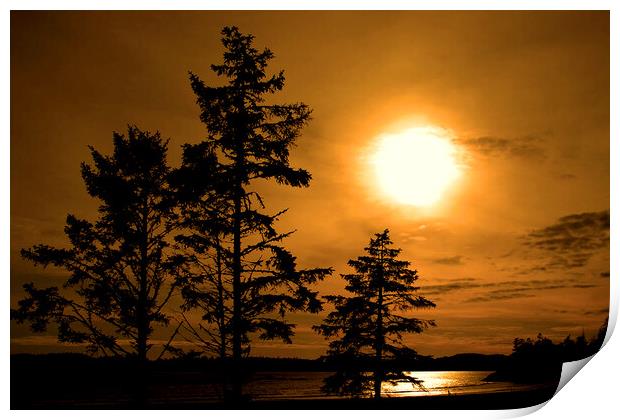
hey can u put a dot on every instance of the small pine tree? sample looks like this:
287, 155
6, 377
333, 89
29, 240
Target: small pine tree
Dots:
367, 327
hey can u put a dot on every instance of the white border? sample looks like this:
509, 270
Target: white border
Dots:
591, 394
309, 5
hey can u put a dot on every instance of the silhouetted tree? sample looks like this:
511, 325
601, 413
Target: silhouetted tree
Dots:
208, 289
205, 225
121, 273
251, 140
597, 342
368, 326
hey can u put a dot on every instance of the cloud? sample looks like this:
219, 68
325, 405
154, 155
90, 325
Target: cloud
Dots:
575, 231
602, 311
498, 295
567, 176
528, 147
422, 232
501, 290
522, 292
455, 260
513, 289
451, 286
572, 240
408, 237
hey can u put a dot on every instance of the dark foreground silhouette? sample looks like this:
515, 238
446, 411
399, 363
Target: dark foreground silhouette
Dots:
76, 381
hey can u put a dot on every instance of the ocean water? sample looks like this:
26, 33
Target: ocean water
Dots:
303, 385
284, 385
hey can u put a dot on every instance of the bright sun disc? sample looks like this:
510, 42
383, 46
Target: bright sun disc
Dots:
415, 166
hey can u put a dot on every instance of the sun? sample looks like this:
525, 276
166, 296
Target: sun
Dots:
415, 166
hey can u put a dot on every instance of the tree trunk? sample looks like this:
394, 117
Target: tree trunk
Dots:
142, 322
379, 331
220, 303
236, 324
142, 309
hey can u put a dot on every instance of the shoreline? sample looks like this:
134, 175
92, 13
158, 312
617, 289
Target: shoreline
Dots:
483, 401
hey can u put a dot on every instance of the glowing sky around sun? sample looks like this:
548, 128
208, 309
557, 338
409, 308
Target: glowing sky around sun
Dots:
415, 166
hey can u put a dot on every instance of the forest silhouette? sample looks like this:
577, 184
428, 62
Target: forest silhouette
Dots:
201, 231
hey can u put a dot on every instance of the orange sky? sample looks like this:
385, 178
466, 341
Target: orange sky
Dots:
524, 94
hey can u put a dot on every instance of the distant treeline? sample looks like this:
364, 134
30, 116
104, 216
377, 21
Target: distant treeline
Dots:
540, 359
82, 362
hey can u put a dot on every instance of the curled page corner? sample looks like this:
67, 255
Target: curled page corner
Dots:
570, 369
519, 412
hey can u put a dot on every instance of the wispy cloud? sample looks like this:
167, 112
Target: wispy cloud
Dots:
455, 260
573, 232
499, 295
528, 147
451, 285
602, 311
501, 290
572, 240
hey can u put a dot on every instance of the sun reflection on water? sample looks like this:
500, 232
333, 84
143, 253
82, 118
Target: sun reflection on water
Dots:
437, 383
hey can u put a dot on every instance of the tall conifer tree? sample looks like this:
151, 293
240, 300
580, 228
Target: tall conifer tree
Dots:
251, 140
